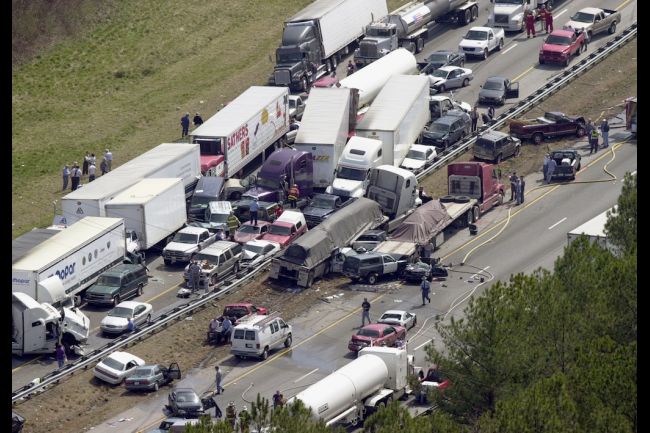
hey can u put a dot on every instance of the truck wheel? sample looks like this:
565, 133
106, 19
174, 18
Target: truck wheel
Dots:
447, 198
372, 279
304, 85
476, 213
580, 131
140, 289
517, 150
409, 46
497, 160
567, 61
500, 47
116, 300
310, 281
419, 45
485, 54
462, 199
265, 354
156, 387
469, 218
578, 167
467, 16
354, 280
541, 61
500, 199
288, 341
474, 13
538, 137
335, 63
612, 28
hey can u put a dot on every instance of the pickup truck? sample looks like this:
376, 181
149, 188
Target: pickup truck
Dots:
287, 228
185, 243
297, 105
561, 45
594, 20
552, 124
370, 266
439, 106
321, 207
568, 163
480, 41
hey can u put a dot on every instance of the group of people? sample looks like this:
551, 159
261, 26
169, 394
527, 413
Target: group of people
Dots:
546, 20
592, 135
226, 324
185, 123
487, 118
517, 186
72, 173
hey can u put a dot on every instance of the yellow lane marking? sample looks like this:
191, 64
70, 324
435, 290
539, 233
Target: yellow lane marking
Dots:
622, 5
523, 73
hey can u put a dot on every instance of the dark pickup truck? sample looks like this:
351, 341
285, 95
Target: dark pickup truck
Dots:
552, 124
321, 207
568, 163
370, 266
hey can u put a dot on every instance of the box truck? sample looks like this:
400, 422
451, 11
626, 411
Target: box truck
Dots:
165, 160
243, 130
77, 255
397, 116
152, 209
594, 230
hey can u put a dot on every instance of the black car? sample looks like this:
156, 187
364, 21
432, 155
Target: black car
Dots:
497, 89
17, 422
447, 130
321, 207
414, 272
441, 58
184, 402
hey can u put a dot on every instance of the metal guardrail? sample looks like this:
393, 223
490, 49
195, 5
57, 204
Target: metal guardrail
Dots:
232, 283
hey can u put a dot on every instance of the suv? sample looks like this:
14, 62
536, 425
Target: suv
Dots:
495, 145
185, 243
370, 266
447, 130
121, 282
258, 335
220, 258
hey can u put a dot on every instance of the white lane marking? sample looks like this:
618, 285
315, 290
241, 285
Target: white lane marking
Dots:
471, 292
514, 45
559, 222
423, 344
476, 274
302, 377
555, 16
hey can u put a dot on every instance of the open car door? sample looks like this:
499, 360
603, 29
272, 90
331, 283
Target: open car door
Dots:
513, 91
173, 372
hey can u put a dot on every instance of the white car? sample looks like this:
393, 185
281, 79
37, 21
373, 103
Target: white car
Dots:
256, 251
449, 77
296, 106
117, 320
399, 317
480, 41
117, 367
419, 157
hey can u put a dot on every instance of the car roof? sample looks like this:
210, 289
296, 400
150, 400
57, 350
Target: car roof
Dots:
121, 269
184, 389
446, 120
420, 147
192, 230
123, 357
449, 68
131, 304
493, 135
561, 32
394, 312
290, 217
218, 247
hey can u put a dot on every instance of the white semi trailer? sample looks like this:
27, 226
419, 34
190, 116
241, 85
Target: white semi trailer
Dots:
594, 230
378, 376
371, 79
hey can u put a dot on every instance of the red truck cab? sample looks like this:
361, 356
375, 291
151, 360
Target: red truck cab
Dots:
561, 45
476, 180
288, 227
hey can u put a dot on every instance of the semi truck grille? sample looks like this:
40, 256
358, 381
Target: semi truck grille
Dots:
501, 19
282, 77
368, 50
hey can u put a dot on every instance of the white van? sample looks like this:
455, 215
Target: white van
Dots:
258, 335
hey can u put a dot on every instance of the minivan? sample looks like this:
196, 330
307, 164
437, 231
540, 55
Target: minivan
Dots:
121, 282
258, 335
209, 188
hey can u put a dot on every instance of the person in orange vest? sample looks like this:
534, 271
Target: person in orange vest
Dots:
294, 195
530, 24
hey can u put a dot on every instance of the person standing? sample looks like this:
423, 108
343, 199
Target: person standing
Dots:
277, 400
350, 68
195, 275
530, 24
84, 165
604, 131
91, 171
513, 185
131, 325
294, 195
75, 174
108, 155
226, 329
518, 190
522, 187
66, 176
218, 377
593, 141
552, 165
278, 211
185, 125
365, 312
233, 224
589, 127
490, 113
103, 166
548, 20
545, 167
198, 120
60, 355
425, 287
253, 211
474, 116
92, 159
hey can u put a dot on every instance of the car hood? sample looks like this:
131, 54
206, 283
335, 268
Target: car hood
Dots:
465, 43
412, 164
243, 238
486, 93
208, 225
552, 48
433, 135
436, 80
346, 184
249, 255
500, 9
316, 211
282, 240
189, 405
179, 246
114, 321
261, 194
103, 290
577, 25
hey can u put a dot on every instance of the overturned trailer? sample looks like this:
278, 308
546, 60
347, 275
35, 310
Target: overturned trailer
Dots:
310, 256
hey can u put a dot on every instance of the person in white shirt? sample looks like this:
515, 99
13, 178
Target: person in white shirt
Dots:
91, 171
109, 159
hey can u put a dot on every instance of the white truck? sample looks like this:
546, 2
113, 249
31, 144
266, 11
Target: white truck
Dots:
185, 243
439, 105
77, 255
510, 15
358, 157
326, 122
245, 128
481, 41
594, 229
378, 376
595, 20
371, 79
396, 191
152, 209
397, 116
165, 160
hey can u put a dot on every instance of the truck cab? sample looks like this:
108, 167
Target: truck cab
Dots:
370, 266
208, 189
380, 39
351, 175
510, 14
395, 189
440, 105
300, 50
213, 163
476, 180
288, 227
215, 217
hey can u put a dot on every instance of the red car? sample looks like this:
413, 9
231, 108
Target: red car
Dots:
561, 45
247, 231
376, 334
287, 228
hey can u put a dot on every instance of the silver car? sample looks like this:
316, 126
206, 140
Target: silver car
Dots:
399, 317
450, 77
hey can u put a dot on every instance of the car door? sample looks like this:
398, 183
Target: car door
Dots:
390, 264
203, 237
456, 77
456, 131
599, 22
173, 372
389, 336
512, 90
138, 314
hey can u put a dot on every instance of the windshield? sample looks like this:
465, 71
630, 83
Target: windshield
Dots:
508, 2
438, 127
256, 249
121, 312
186, 396
143, 371
113, 363
292, 103
476, 35
107, 280
493, 85
439, 73
249, 229
207, 257
288, 56
582, 17
351, 173
279, 230
322, 203
186, 238
391, 316
437, 58
368, 333
218, 218
271, 184
368, 238
558, 40
200, 202
416, 154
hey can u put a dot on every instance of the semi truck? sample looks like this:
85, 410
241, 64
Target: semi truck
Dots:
397, 116
152, 209
77, 255
510, 15
396, 191
165, 160
243, 130
378, 376
371, 79
351, 175
315, 39
594, 230
411, 26
328, 118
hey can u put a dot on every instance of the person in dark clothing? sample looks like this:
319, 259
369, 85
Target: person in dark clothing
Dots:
75, 177
425, 287
365, 312
198, 120
474, 116
185, 124
254, 207
350, 68
513, 185
84, 166
593, 141
522, 186
490, 113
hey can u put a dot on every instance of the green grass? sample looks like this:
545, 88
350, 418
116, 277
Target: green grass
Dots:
122, 77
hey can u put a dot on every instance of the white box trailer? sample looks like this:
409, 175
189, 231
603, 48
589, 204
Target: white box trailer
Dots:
153, 208
594, 229
397, 116
324, 130
246, 127
77, 255
165, 160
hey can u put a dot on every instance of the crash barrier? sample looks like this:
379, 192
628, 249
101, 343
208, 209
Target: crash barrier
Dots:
555, 83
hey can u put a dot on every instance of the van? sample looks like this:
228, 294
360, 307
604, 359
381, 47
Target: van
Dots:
209, 188
219, 259
258, 335
118, 283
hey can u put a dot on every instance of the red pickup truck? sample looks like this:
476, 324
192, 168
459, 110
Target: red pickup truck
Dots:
561, 45
552, 124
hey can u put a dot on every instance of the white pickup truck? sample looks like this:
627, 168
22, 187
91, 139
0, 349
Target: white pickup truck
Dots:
185, 243
594, 21
480, 41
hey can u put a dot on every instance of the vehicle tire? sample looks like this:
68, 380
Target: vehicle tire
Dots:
140, 289
469, 215
167, 262
409, 46
148, 318
466, 82
498, 159
567, 61
485, 54
476, 213
541, 61
447, 198
517, 150
265, 354
474, 13
500, 200
415, 322
288, 341
116, 300
537, 138
419, 45
580, 131
235, 268
578, 167
304, 85
354, 280
372, 279
156, 387
467, 17
442, 88
462, 199
589, 34
612, 29
310, 281
500, 47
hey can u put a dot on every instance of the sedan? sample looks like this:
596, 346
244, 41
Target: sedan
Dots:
376, 334
117, 367
399, 317
247, 231
497, 90
419, 157
441, 58
117, 320
449, 77
151, 377
256, 251
184, 402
